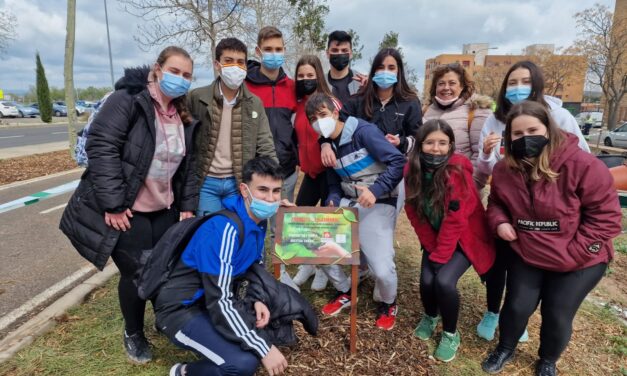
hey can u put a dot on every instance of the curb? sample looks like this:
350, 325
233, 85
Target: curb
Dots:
46, 319
40, 178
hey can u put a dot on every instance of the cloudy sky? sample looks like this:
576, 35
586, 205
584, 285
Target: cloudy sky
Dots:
426, 28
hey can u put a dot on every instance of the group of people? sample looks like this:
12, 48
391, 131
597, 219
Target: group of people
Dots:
159, 154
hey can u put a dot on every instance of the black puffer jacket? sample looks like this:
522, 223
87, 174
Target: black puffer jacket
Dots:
120, 147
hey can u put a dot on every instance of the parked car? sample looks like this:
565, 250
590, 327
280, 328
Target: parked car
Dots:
79, 109
617, 137
57, 109
597, 118
8, 108
27, 111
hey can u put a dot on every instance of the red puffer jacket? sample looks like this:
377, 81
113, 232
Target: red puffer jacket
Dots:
308, 146
563, 226
464, 222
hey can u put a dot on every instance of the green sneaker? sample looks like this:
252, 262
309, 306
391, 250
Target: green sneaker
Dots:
425, 327
448, 346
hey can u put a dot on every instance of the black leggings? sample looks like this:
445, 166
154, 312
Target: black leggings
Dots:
438, 291
146, 230
561, 295
495, 281
313, 190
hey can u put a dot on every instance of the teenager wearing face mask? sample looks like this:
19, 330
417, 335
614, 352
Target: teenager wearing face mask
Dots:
313, 188
453, 99
343, 80
367, 173
557, 207
523, 81
233, 127
268, 81
140, 179
444, 209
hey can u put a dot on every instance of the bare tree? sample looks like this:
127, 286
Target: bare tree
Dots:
604, 43
68, 73
488, 79
8, 22
194, 24
560, 68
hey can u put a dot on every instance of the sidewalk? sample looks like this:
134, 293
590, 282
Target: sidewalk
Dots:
21, 151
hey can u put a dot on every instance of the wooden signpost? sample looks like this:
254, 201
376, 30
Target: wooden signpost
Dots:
320, 236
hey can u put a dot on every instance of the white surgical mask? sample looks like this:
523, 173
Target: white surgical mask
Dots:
324, 126
232, 76
446, 102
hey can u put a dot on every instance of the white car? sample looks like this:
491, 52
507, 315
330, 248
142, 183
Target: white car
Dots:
597, 118
8, 108
617, 137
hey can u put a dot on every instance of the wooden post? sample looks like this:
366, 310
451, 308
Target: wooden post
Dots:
354, 283
277, 271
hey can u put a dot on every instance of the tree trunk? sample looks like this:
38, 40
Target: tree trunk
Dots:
68, 73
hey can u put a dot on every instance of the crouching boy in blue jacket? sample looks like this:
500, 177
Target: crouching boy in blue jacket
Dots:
366, 175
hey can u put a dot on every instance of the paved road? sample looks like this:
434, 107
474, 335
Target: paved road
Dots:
17, 136
34, 254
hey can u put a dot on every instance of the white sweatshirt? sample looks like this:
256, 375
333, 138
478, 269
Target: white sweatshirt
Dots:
563, 118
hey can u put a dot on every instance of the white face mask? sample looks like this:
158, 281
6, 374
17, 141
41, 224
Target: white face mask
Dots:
446, 102
324, 126
232, 76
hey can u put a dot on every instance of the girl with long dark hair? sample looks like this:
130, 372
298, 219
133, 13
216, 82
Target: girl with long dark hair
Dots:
139, 180
445, 210
555, 205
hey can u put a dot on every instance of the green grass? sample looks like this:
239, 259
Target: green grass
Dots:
88, 340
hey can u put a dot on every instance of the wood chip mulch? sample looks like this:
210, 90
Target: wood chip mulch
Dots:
32, 166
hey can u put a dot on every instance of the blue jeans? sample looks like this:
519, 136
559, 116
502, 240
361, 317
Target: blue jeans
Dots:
213, 191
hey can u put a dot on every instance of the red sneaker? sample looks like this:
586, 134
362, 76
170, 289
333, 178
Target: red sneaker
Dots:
386, 317
333, 307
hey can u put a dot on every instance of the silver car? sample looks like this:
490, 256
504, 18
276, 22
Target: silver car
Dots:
617, 137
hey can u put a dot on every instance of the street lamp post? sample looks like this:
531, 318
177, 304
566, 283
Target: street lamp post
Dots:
475, 52
109, 42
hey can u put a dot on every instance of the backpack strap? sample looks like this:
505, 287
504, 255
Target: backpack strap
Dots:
235, 218
471, 117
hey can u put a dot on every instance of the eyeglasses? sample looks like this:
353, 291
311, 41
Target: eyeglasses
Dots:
432, 143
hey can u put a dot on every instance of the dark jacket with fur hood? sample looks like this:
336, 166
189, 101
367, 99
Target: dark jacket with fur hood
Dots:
120, 147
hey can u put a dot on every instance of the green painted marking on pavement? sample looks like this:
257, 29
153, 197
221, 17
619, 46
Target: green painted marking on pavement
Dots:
31, 201
40, 194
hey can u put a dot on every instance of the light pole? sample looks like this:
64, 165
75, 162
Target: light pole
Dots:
109, 42
475, 52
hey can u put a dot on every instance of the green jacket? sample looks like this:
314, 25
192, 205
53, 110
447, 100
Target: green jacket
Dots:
250, 131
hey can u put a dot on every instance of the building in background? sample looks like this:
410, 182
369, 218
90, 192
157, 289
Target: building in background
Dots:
620, 13
564, 74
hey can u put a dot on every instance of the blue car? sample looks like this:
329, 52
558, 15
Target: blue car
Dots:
27, 111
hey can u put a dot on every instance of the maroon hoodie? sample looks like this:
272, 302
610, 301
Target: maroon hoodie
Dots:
562, 226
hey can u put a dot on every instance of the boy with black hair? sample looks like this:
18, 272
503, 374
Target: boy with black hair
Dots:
196, 307
343, 81
233, 127
367, 173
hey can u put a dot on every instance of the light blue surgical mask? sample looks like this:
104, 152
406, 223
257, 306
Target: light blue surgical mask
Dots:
272, 60
173, 86
515, 94
260, 208
384, 79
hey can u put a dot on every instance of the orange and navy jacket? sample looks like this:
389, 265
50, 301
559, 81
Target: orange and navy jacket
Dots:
279, 100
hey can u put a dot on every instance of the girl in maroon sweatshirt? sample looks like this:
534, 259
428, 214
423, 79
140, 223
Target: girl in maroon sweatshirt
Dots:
557, 207
445, 210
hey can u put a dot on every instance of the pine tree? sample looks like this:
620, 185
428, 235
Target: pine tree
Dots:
43, 93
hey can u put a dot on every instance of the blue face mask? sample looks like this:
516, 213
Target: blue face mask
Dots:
384, 79
260, 208
272, 60
173, 86
517, 94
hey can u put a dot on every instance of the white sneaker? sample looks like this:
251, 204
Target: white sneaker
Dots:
287, 280
304, 273
320, 280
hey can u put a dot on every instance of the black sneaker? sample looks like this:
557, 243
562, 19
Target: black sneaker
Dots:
545, 368
137, 348
496, 360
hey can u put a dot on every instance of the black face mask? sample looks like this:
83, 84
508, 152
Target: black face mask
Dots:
528, 146
339, 61
305, 87
432, 161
